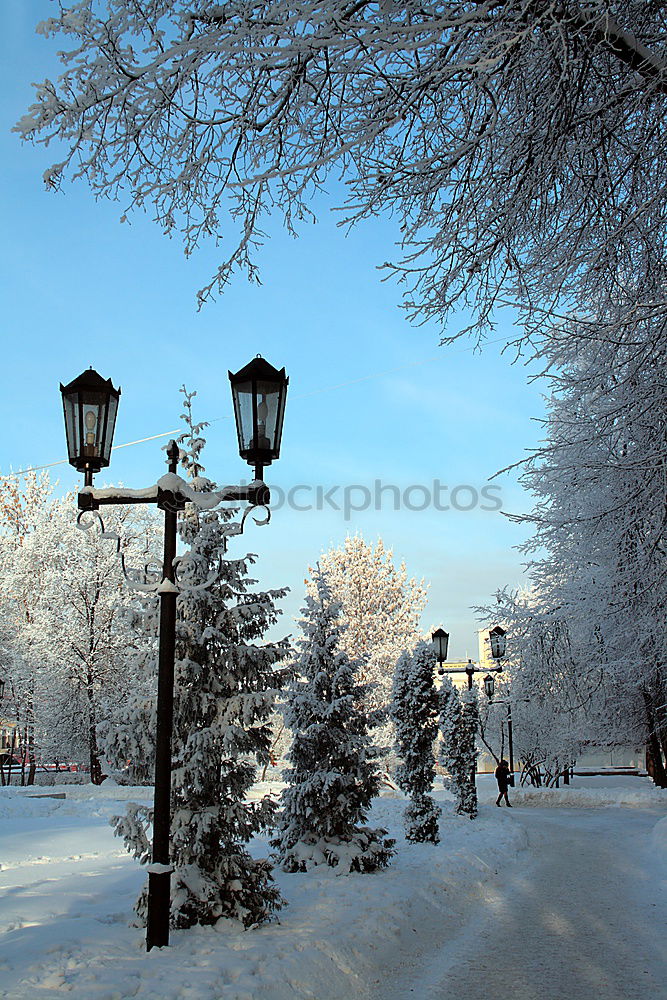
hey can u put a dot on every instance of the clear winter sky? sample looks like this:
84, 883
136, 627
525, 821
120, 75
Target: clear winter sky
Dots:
81, 289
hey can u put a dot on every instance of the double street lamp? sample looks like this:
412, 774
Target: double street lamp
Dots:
498, 641
440, 641
90, 406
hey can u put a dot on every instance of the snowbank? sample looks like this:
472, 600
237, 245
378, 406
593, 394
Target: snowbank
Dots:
586, 794
67, 888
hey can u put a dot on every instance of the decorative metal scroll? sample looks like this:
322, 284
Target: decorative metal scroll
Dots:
148, 579
145, 580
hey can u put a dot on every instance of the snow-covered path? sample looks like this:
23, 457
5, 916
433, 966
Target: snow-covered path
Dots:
582, 920
560, 898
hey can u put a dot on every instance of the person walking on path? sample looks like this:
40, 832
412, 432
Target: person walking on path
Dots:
503, 779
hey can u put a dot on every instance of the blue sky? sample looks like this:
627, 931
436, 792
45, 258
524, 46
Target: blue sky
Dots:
79, 288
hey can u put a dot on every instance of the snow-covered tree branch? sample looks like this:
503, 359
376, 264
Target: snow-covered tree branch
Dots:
520, 144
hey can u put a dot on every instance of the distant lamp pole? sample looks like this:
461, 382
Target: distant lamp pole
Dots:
90, 405
498, 640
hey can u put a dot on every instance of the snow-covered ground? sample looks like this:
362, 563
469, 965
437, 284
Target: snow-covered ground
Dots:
517, 897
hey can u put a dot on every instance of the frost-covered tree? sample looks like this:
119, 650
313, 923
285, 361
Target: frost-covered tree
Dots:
414, 709
548, 737
590, 637
519, 145
380, 608
23, 510
84, 625
333, 776
226, 682
459, 724
68, 632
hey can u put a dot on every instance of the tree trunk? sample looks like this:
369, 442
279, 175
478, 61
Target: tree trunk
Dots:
654, 761
654, 765
31, 757
95, 767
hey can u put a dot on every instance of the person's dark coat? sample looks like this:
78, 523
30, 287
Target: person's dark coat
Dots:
503, 776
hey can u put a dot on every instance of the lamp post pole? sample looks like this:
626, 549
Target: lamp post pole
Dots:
159, 872
509, 738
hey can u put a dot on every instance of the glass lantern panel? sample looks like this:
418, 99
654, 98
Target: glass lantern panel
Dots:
440, 644
110, 426
243, 407
498, 643
71, 408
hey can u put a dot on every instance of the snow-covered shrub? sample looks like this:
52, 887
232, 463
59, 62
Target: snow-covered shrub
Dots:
414, 710
333, 777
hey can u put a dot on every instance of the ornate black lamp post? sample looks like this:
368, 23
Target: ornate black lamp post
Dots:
440, 640
90, 402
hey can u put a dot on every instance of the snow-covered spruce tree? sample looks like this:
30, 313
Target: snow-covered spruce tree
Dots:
459, 722
225, 686
333, 777
414, 710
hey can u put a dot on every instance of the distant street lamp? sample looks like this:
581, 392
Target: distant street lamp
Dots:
90, 405
440, 640
498, 640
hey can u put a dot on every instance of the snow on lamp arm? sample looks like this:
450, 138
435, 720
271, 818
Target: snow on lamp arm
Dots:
90, 406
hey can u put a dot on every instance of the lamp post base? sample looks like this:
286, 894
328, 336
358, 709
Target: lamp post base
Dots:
159, 891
